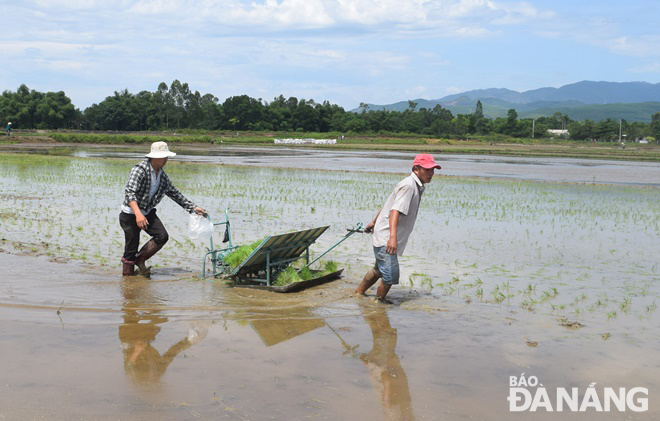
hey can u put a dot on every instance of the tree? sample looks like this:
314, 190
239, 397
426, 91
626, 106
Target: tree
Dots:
479, 110
179, 94
177, 106
607, 130
194, 112
233, 121
31, 109
461, 125
247, 110
144, 107
353, 123
412, 121
211, 112
655, 125
442, 113
511, 122
163, 102
477, 124
306, 116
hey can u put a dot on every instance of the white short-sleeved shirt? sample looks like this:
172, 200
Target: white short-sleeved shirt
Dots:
405, 198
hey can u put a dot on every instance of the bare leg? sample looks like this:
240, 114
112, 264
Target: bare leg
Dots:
369, 279
383, 289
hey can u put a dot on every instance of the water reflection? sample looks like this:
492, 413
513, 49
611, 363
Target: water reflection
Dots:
276, 325
385, 371
143, 363
284, 324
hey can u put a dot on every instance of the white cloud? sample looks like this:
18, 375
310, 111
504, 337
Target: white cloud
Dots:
517, 13
71, 4
292, 14
341, 50
155, 7
46, 47
639, 46
63, 65
329, 54
450, 90
308, 13
608, 38
416, 92
616, 34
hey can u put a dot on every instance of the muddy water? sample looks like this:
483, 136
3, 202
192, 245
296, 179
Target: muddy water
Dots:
494, 280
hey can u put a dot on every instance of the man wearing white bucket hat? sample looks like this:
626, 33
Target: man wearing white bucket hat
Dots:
147, 184
9, 129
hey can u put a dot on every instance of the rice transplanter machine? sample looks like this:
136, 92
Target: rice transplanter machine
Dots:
274, 254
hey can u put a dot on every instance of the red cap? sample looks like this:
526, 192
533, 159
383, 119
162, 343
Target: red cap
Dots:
425, 160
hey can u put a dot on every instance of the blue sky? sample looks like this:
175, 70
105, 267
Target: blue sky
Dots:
343, 51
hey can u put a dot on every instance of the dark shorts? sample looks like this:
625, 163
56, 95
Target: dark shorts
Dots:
387, 265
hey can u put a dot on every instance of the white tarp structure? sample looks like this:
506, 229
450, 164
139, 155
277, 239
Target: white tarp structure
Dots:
558, 132
306, 141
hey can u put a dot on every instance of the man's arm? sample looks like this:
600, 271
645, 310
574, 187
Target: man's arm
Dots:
370, 226
174, 194
135, 182
181, 200
394, 225
135, 178
139, 218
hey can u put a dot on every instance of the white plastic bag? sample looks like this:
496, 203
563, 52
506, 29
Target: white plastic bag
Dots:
199, 228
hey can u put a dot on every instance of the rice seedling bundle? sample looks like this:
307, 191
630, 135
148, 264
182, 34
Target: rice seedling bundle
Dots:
291, 274
236, 257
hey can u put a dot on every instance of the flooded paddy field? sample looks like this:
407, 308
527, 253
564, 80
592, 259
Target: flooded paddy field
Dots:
502, 276
577, 170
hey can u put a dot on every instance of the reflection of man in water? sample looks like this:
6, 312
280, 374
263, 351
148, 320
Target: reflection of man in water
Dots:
142, 362
385, 370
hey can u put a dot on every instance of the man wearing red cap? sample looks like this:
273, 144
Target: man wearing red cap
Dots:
393, 225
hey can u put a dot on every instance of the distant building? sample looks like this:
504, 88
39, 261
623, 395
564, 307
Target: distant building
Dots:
558, 132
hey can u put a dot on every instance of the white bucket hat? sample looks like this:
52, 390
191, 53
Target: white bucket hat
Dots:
159, 150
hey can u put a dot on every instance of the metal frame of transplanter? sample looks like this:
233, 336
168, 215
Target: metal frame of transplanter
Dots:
217, 256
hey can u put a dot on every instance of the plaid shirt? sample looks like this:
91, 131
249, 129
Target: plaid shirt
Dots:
137, 189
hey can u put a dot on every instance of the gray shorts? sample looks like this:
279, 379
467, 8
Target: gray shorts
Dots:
387, 265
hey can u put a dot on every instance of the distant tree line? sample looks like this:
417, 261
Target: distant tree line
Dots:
28, 109
176, 107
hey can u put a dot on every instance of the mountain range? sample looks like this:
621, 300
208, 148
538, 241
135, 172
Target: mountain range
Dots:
596, 101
